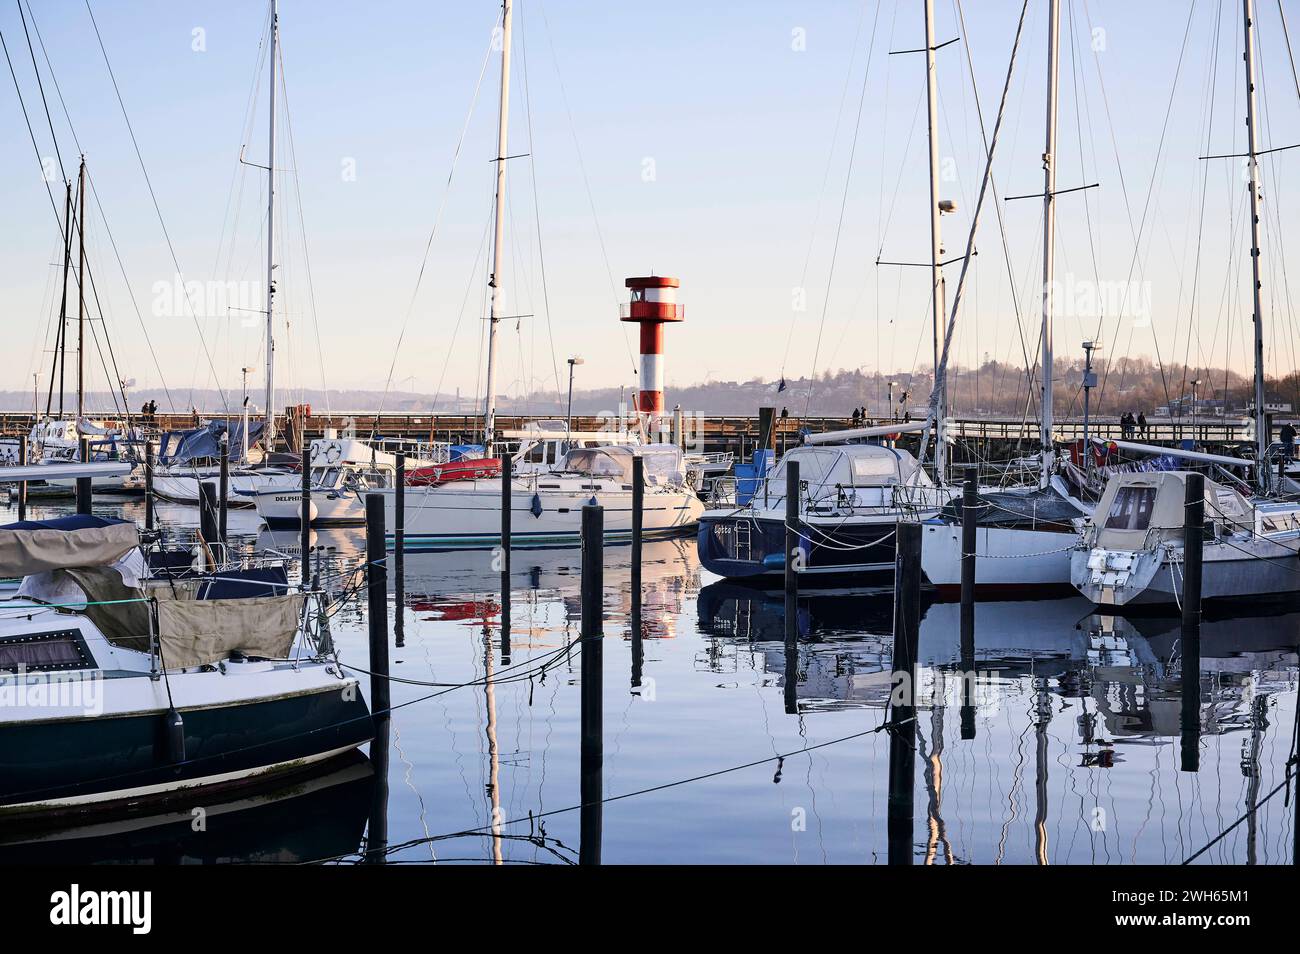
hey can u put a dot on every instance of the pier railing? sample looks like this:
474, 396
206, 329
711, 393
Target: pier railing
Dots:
734, 433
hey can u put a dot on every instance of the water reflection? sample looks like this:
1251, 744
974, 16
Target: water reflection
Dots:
1064, 748
303, 818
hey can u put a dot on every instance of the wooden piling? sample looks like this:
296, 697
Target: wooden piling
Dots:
1193, 551
399, 549
969, 525
507, 499
148, 486
638, 523
377, 604
223, 492
377, 820
22, 484
792, 493
208, 517
84, 483
507, 484
304, 517
592, 675
902, 732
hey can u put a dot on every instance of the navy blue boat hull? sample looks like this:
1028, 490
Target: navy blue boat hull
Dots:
64, 764
844, 552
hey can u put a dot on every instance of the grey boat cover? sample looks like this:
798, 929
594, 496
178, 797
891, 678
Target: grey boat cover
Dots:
202, 632
1017, 508
31, 547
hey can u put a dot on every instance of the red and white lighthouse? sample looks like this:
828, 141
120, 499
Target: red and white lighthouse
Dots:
653, 304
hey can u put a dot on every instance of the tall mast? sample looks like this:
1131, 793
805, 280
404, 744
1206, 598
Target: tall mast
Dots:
1049, 233
81, 292
936, 242
270, 241
498, 234
61, 339
1261, 419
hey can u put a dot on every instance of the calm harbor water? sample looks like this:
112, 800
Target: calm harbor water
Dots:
1075, 755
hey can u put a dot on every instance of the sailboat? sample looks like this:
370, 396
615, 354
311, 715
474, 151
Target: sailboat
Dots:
854, 488
546, 505
56, 437
120, 687
180, 474
1025, 534
1132, 550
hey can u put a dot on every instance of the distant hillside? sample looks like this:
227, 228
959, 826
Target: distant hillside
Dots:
993, 390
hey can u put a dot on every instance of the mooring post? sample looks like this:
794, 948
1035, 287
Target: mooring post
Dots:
399, 549
902, 732
148, 485
208, 517
507, 498
792, 559
224, 490
304, 517
1193, 549
592, 671
377, 821
507, 483
638, 524
377, 604
22, 484
83, 483
969, 526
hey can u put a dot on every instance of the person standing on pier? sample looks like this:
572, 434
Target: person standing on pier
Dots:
1142, 424
1288, 434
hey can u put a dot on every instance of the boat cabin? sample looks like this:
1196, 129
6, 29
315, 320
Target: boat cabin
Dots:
1137, 510
849, 476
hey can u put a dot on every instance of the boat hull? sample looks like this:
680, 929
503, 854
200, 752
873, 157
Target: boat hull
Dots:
740, 545
1010, 561
184, 489
467, 515
1230, 571
74, 763
327, 508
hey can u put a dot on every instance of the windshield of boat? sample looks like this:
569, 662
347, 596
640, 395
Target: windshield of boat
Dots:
1131, 509
598, 462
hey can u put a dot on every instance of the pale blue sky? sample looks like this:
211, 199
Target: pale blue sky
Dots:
707, 135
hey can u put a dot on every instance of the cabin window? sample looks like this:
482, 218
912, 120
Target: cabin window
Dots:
873, 469
536, 454
44, 652
1131, 509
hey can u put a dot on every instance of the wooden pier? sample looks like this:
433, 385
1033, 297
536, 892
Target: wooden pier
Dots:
985, 438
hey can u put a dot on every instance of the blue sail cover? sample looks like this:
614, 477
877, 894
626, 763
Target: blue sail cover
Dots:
181, 447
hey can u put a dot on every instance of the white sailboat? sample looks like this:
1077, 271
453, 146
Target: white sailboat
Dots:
1132, 551
1026, 534
342, 471
546, 505
180, 480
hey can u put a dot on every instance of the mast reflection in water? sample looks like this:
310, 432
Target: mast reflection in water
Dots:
1066, 750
